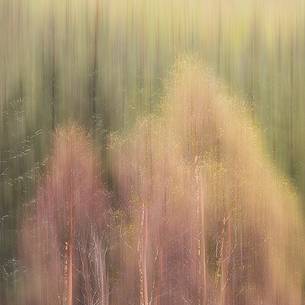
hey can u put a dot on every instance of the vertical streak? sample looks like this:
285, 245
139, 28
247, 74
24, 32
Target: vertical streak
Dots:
93, 85
219, 37
53, 84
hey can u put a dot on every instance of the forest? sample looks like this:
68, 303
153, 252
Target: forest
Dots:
152, 152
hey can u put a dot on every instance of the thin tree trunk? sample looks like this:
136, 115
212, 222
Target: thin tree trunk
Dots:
70, 255
202, 245
143, 258
226, 250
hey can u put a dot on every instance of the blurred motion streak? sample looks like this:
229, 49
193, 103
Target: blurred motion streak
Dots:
152, 152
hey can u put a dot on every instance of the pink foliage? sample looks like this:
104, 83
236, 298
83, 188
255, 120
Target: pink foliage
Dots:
65, 239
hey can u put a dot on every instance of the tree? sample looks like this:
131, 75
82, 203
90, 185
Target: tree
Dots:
64, 241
